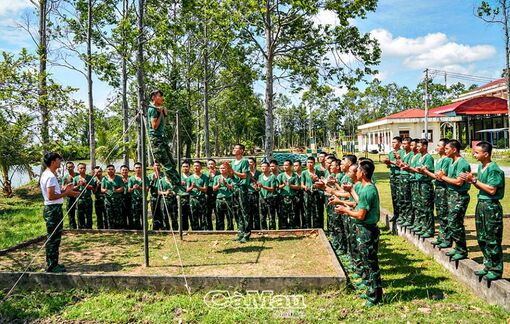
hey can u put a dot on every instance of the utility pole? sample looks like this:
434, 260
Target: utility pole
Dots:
426, 103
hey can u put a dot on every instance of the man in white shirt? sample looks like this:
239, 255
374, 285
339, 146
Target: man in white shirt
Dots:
53, 215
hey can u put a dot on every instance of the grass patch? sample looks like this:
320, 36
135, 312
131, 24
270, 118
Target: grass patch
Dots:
416, 288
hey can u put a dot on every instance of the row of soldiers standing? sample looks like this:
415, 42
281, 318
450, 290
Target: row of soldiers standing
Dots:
418, 182
117, 198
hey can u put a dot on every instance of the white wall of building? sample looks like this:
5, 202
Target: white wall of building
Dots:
379, 137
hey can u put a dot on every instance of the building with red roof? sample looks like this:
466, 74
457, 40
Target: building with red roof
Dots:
473, 119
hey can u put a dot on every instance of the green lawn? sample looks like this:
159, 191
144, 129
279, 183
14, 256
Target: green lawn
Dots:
417, 289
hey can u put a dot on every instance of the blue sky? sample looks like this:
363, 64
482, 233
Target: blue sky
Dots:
414, 35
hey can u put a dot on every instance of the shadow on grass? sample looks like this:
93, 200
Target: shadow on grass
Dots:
244, 249
413, 282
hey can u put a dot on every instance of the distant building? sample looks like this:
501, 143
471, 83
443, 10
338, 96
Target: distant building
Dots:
480, 114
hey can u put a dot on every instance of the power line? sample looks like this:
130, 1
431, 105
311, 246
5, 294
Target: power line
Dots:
461, 76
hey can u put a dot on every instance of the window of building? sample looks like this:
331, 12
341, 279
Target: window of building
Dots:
403, 133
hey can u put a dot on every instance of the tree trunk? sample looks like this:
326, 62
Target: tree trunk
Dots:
216, 135
125, 108
198, 143
42, 51
140, 73
206, 92
268, 103
507, 61
92, 131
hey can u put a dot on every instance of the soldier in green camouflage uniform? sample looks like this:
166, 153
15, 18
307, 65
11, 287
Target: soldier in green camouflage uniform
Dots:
161, 150
241, 170
365, 217
458, 200
185, 204
311, 196
127, 212
404, 194
322, 171
440, 191
113, 187
394, 157
53, 215
85, 185
135, 189
99, 207
70, 201
155, 200
348, 230
298, 199
415, 187
335, 226
288, 185
253, 197
197, 185
223, 187
489, 213
425, 207
267, 184
211, 194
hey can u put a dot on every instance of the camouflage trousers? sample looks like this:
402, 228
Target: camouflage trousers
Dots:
489, 233
114, 212
395, 187
101, 220
224, 211
84, 211
71, 211
457, 205
240, 209
367, 237
198, 212
268, 212
426, 207
136, 213
253, 211
404, 200
211, 207
286, 212
337, 231
164, 157
53, 216
169, 214
415, 202
352, 245
441, 202
313, 205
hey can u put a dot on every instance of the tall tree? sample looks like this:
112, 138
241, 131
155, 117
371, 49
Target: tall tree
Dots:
292, 44
498, 12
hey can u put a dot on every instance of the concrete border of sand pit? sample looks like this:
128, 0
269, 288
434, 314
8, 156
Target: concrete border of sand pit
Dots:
498, 292
176, 283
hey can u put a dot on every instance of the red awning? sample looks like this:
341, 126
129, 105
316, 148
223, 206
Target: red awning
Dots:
475, 106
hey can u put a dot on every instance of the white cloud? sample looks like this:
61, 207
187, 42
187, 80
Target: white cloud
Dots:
450, 54
326, 17
9, 7
433, 50
402, 46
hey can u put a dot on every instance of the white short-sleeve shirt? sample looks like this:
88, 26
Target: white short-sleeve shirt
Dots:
48, 180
